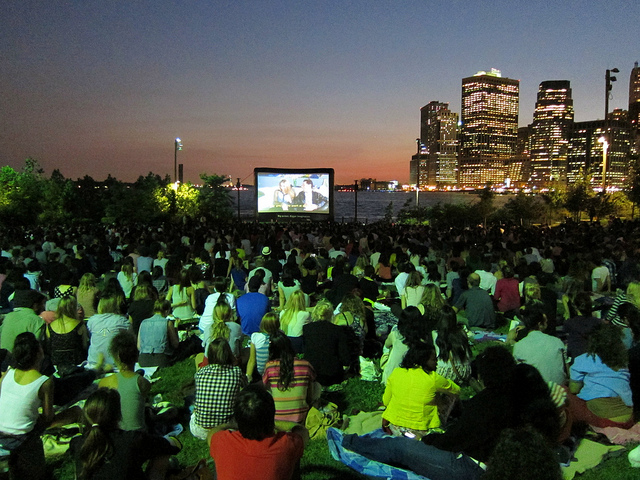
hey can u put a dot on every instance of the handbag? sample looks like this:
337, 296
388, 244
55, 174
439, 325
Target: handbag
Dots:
318, 421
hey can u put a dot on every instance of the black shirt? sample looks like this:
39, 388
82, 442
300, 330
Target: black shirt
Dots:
477, 430
130, 450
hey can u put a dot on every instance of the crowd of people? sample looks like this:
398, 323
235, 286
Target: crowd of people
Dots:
282, 313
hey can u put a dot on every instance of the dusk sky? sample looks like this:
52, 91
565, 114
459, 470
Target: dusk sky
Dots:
99, 87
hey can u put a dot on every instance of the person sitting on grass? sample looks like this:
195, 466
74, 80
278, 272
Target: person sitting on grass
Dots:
219, 295
543, 351
452, 347
259, 349
411, 393
103, 327
23, 391
411, 328
157, 337
107, 451
326, 346
460, 451
294, 317
224, 326
217, 385
132, 387
290, 380
275, 447
600, 377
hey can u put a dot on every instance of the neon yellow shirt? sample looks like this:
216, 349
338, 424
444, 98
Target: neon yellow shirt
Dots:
410, 398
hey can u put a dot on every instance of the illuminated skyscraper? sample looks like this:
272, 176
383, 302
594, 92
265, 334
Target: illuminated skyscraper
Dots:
634, 97
439, 137
552, 120
489, 127
585, 155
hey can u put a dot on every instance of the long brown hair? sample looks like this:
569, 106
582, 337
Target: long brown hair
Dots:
102, 414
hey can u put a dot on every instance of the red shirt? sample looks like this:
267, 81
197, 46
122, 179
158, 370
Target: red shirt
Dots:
507, 294
273, 458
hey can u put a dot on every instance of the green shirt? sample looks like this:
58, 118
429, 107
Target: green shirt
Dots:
18, 321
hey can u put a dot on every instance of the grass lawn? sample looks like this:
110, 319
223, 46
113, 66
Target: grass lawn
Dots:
317, 463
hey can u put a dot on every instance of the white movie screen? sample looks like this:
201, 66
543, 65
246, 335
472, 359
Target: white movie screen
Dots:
294, 193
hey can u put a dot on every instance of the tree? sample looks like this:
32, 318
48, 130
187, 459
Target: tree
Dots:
59, 199
555, 200
632, 188
21, 199
523, 209
484, 208
579, 195
214, 199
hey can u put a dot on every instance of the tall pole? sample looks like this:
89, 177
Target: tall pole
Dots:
177, 146
608, 78
238, 190
355, 190
418, 173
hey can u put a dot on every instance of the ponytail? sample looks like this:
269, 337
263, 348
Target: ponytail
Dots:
102, 414
222, 314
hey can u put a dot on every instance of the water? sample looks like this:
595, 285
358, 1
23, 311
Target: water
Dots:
371, 205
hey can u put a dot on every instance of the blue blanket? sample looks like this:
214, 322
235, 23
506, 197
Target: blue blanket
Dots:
363, 464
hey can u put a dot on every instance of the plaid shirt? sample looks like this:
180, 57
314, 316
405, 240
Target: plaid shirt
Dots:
216, 390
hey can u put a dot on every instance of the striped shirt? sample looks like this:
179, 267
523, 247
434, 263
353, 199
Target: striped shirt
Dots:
291, 404
261, 343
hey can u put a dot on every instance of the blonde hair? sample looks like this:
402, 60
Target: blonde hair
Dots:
67, 307
297, 303
353, 304
87, 282
633, 293
109, 305
222, 313
323, 311
531, 291
143, 292
127, 269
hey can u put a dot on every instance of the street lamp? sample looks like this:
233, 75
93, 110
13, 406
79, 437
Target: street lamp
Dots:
607, 88
605, 148
355, 190
238, 185
178, 146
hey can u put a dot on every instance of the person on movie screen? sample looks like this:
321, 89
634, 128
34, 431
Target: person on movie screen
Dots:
284, 195
309, 198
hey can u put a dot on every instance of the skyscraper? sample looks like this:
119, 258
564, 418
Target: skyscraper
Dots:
585, 155
634, 97
552, 120
489, 127
439, 136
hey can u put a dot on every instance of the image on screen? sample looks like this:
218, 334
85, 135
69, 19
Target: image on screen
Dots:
291, 193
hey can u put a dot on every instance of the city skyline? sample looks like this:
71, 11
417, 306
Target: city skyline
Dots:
106, 88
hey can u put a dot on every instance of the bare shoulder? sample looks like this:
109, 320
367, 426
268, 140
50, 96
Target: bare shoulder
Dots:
110, 381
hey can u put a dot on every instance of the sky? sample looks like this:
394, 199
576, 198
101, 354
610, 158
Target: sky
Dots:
104, 87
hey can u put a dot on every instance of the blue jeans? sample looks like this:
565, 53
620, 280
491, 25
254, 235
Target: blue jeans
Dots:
416, 456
